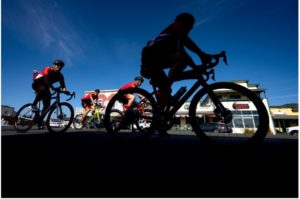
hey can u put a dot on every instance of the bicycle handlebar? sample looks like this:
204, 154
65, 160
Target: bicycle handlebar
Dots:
217, 58
71, 95
58, 91
207, 69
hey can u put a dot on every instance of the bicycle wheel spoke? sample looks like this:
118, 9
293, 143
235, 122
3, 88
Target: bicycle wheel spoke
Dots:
60, 118
24, 118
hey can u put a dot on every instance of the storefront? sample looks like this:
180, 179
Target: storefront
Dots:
284, 116
245, 116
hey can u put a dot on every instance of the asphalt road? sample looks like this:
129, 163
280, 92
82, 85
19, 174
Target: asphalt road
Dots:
92, 164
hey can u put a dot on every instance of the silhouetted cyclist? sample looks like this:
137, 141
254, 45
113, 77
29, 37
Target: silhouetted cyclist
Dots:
167, 51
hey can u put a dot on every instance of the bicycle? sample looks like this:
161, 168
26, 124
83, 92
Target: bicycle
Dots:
95, 120
60, 114
219, 110
88, 121
134, 117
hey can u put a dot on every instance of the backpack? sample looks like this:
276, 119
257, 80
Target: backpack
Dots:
36, 75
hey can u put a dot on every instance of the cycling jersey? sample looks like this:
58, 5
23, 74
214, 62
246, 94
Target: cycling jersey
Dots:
86, 100
129, 85
88, 97
53, 76
169, 40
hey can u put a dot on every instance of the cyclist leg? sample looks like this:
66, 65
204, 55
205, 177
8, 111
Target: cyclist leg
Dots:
38, 86
181, 63
87, 108
46, 98
130, 99
164, 88
154, 61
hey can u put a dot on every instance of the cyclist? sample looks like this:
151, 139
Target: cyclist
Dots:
88, 102
129, 99
42, 84
167, 51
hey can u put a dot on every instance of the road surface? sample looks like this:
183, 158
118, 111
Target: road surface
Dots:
90, 163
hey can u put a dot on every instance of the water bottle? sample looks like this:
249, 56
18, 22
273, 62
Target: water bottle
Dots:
179, 93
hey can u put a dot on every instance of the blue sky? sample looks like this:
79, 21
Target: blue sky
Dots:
101, 42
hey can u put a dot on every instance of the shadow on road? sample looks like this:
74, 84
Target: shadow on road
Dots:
92, 164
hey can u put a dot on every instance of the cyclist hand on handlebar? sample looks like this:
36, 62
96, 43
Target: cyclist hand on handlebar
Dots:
206, 58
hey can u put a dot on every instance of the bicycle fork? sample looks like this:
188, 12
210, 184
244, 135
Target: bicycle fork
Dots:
222, 113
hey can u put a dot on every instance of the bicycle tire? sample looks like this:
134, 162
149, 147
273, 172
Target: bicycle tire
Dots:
127, 117
22, 122
77, 122
254, 132
64, 118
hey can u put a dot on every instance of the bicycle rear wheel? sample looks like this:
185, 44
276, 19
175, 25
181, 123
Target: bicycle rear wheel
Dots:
118, 119
245, 121
60, 118
24, 119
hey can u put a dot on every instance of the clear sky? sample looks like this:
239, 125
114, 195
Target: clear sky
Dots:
101, 42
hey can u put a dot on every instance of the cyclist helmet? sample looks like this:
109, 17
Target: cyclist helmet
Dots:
185, 18
97, 91
140, 78
58, 62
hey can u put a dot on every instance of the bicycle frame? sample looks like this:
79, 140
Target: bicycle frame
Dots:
52, 106
171, 111
96, 115
199, 76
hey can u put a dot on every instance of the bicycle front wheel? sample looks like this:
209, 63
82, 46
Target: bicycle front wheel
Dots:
24, 119
243, 121
60, 118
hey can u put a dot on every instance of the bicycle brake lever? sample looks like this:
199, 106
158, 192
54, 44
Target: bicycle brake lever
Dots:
213, 75
225, 61
223, 54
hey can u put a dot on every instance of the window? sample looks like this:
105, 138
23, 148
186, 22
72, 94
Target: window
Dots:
256, 120
248, 121
236, 112
238, 122
246, 112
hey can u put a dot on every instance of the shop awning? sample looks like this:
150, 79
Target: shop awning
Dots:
285, 117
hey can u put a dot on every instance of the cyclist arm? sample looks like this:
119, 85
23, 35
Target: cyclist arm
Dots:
92, 100
192, 46
62, 83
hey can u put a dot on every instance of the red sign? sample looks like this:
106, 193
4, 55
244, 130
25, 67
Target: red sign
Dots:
240, 106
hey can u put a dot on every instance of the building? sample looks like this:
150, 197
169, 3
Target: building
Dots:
284, 116
8, 113
244, 116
